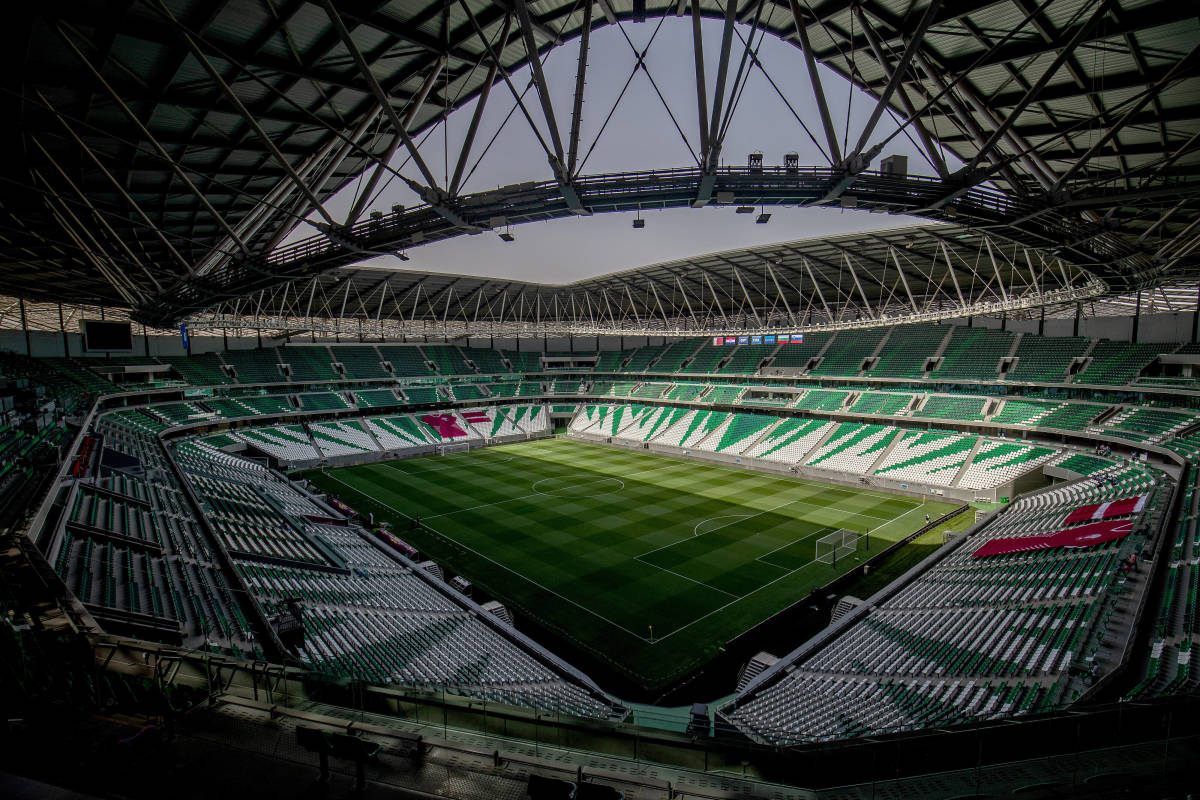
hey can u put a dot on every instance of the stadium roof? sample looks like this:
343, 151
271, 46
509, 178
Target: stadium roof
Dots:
166, 147
925, 272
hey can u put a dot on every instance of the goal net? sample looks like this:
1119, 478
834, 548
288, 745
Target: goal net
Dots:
453, 447
833, 547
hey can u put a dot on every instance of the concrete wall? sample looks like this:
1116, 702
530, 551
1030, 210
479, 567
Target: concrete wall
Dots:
1170, 327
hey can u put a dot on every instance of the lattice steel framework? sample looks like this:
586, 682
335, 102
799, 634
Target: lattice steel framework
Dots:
166, 147
856, 280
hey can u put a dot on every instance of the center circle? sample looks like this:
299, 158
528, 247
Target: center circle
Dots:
578, 487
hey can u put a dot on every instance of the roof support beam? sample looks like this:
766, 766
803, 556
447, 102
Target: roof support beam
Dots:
163, 154
242, 111
711, 155
897, 73
1067, 49
162, 237
585, 38
365, 196
814, 78
817, 286
380, 96
895, 77
558, 163
1151, 92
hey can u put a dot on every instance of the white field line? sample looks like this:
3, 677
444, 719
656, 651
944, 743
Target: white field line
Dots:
719, 527
902, 516
497, 563
710, 519
540, 494
818, 532
754, 591
639, 557
686, 578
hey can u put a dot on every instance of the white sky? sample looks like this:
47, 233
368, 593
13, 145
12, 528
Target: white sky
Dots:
640, 136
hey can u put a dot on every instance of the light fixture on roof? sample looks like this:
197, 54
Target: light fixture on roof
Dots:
638, 222
745, 209
507, 236
763, 217
403, 256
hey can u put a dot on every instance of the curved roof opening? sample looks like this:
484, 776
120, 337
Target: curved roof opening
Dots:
169, 148
640, 86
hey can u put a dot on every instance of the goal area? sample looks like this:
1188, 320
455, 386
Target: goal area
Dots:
833, 547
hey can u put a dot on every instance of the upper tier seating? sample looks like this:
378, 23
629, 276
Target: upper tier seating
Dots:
407, 360
204, 369
486, 360
707, 358
908, 348
524, 361
1046, 359
673, 356
255, 366
746, 358
360, 361
973, 354
309, 363
1116, 363
447, 358
642, 358
611, 360
792, 355
845, 355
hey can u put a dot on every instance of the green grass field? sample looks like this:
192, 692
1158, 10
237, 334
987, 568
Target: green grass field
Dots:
648, 562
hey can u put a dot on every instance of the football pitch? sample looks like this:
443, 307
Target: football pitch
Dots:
648, 562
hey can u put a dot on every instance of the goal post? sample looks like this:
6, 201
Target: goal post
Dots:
833, 547
454, 447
